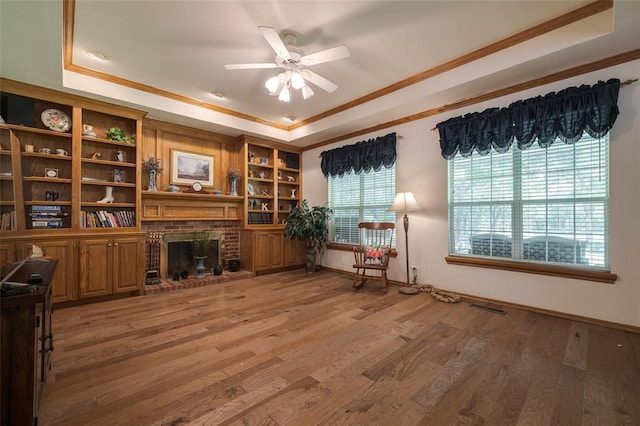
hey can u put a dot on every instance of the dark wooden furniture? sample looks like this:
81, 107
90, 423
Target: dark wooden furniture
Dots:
27, 343
372, 254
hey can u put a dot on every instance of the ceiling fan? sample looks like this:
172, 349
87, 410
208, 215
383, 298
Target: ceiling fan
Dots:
294, 62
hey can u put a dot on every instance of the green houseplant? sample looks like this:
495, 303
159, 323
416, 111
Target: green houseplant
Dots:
200, 244
310, 224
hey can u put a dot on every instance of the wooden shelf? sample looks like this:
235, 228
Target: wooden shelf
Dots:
47, 203
45, 179
109, 206
47, 156
278, 189
34, 130
104, 183
29, 183
109, 162
108, 141
190, 196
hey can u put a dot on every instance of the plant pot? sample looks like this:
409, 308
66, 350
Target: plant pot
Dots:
200, 268
217, 270
234, 265
310, 259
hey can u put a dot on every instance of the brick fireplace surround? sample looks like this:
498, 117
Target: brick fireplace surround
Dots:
231, 250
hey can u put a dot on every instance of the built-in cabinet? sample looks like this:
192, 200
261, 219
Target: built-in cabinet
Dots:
67, 163
272, 188
70, 183
273, 182
268, 250
109, 266
88, 266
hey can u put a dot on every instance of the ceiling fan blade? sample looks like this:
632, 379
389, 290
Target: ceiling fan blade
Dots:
326, 55
319, 81
250, 66
275, 42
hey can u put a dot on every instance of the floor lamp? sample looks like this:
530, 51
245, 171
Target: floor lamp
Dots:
405, 202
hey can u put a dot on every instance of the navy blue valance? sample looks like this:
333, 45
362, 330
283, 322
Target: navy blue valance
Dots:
563, 115
365, 155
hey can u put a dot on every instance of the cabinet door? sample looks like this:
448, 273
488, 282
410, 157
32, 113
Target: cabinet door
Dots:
268, 250
262, 249
277, 258
7, 253
95, 267
294, 252
128, 255
63, 283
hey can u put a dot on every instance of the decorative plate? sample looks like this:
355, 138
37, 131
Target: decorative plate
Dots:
56, 120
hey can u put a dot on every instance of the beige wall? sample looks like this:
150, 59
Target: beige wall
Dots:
422, 170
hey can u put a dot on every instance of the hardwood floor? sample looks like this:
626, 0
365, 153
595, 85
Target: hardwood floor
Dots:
298, 349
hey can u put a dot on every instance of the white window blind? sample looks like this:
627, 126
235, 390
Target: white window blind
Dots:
543, 205
356, 198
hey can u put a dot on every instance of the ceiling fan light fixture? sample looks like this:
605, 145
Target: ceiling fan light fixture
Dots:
272, 84
297, 81
285, 94
293, 60
307, 92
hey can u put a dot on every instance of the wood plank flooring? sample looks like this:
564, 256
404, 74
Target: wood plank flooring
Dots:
298, 349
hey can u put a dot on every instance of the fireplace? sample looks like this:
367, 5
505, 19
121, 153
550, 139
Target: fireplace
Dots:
176, 252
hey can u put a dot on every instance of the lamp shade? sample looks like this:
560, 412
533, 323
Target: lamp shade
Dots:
272, 84
404, 202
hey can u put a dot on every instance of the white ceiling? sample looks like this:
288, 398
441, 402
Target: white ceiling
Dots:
180, 47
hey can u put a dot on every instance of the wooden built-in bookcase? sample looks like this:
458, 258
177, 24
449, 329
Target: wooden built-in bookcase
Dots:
54, 182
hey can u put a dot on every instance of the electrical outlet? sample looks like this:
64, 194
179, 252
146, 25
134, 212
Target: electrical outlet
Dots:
414, 267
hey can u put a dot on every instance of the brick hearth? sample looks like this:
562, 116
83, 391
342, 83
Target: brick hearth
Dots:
167, 285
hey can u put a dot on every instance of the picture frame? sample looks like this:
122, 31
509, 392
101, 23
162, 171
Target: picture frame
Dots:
51, 173
189, 167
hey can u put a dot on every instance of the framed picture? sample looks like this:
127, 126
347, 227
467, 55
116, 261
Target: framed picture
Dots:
51, 173
189, 167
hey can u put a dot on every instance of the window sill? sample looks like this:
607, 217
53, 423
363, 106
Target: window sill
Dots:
534, 268
349, 247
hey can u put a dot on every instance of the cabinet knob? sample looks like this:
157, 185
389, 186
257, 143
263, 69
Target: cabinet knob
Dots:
109, 245
115, 244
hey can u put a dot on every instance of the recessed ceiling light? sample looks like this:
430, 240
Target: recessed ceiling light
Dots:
291, 118
218, 95
96, 55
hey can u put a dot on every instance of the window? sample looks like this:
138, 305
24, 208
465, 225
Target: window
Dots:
542, 205
363, 197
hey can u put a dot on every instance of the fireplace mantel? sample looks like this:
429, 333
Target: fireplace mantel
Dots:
158, 206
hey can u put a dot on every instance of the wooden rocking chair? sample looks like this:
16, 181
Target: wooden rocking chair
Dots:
373, 253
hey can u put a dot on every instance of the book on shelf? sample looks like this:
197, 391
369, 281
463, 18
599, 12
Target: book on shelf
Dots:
48, 223
260, 218
46, 208
106, 219
8, 221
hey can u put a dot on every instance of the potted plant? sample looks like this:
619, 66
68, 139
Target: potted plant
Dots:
310, 224
200, 244
117, 134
